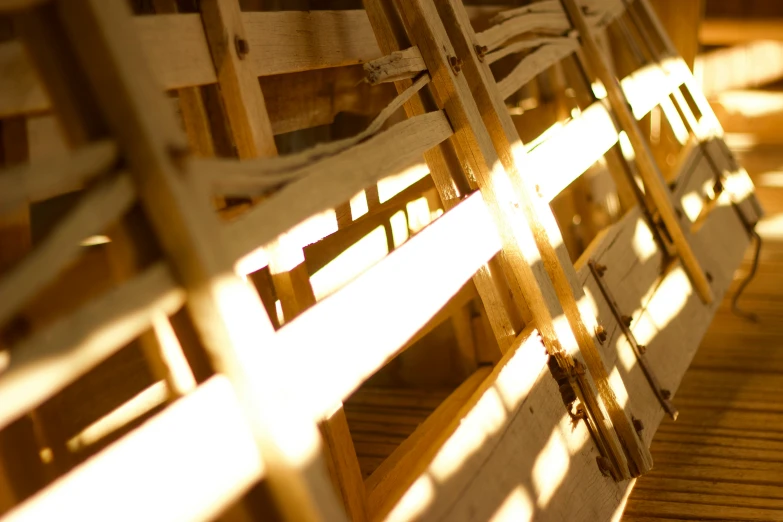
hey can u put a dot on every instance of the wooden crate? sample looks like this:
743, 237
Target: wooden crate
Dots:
365, 263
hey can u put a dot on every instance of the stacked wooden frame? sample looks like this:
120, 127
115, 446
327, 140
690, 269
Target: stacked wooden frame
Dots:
590, 352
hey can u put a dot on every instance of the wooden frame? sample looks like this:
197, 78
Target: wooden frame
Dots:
549, 317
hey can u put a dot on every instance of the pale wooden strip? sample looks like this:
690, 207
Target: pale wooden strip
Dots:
533, 65
495, 36
522, 45
27, 183
97, 210
282, 166
398, 65
586, 138
414, 281
53, 358
187, 463
326, 184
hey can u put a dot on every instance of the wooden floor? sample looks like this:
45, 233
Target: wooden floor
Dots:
723, 458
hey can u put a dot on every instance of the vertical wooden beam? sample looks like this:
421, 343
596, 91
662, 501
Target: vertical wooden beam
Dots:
125, 103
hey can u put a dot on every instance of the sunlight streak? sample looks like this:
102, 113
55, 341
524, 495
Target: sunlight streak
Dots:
415, 500
517, 507
391, 186
550, 468
351, 262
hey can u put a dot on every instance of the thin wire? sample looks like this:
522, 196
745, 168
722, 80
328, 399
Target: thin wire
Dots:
750, 316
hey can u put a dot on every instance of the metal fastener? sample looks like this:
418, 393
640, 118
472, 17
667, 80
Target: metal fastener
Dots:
481, 51
627, 320
600, 269
242, 47
666, 394
638, 425
456, 64
642, 348
600, 333
604, 465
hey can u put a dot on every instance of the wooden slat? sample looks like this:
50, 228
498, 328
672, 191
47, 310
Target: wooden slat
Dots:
648, 170
187, 463
324, 185
45, 363
44, 179
534, 64
594, 132
415, 283
560, 284
95, 212
404, 466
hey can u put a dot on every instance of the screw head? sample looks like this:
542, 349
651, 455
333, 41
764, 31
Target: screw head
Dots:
242, 47
600, 269
627, 320
666, 394
642, 348
600, 333
638, 425
604, 465
456, 64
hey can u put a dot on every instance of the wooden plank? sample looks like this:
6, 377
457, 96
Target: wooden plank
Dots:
561, 278
401, 278
648, 170
325, 184
27, 183
52, 358
551, 170
160, 467
99, 208
343, 464
128, 104
404, 466
447, 173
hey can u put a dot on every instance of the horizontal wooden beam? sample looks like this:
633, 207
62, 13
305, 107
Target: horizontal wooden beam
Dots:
189, 462
325, 184
414, 282
56, 356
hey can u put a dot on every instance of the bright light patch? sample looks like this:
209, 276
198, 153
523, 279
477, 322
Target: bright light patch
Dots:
358, 205
418, 214
550, 468
392, 185
95, 240
354, 260
399, 228
773, 179
771, 227
486, 418
518, 507
693, 204
414, 502
643, 242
